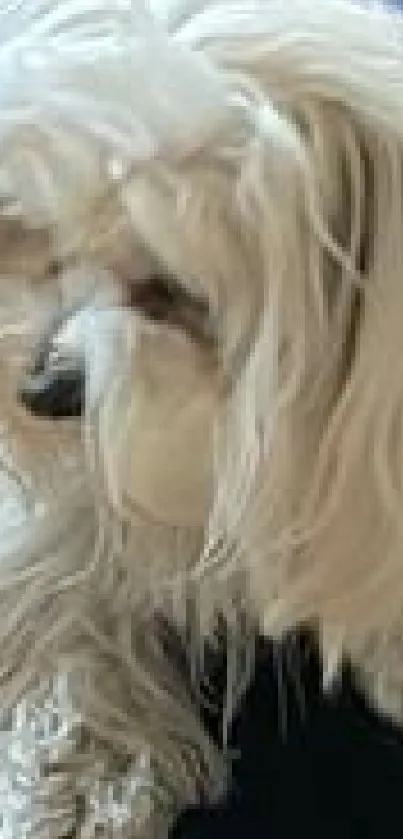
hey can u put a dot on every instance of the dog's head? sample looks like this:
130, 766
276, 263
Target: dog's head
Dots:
238, 382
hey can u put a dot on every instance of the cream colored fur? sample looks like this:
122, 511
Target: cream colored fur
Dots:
262, 476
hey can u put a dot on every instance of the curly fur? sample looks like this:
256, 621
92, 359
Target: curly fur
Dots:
255, 151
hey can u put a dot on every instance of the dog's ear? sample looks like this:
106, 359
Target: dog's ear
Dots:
336, 73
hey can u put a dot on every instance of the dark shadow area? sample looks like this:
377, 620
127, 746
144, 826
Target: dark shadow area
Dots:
309, 765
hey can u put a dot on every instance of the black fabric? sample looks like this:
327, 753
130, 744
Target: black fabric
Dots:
321, 766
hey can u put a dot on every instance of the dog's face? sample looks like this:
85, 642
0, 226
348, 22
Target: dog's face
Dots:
155, 348
144, 369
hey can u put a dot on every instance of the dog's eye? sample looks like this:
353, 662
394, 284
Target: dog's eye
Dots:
156, 297
162, 299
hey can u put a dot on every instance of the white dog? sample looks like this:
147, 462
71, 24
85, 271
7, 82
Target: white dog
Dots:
217, 197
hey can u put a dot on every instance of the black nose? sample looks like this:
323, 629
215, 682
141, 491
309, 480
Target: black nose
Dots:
54, 394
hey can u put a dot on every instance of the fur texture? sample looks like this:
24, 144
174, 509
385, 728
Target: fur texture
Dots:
243, 459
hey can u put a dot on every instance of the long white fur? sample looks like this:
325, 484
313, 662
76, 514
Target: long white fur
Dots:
267, 479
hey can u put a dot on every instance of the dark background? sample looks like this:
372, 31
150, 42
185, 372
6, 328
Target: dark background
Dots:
310, 765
